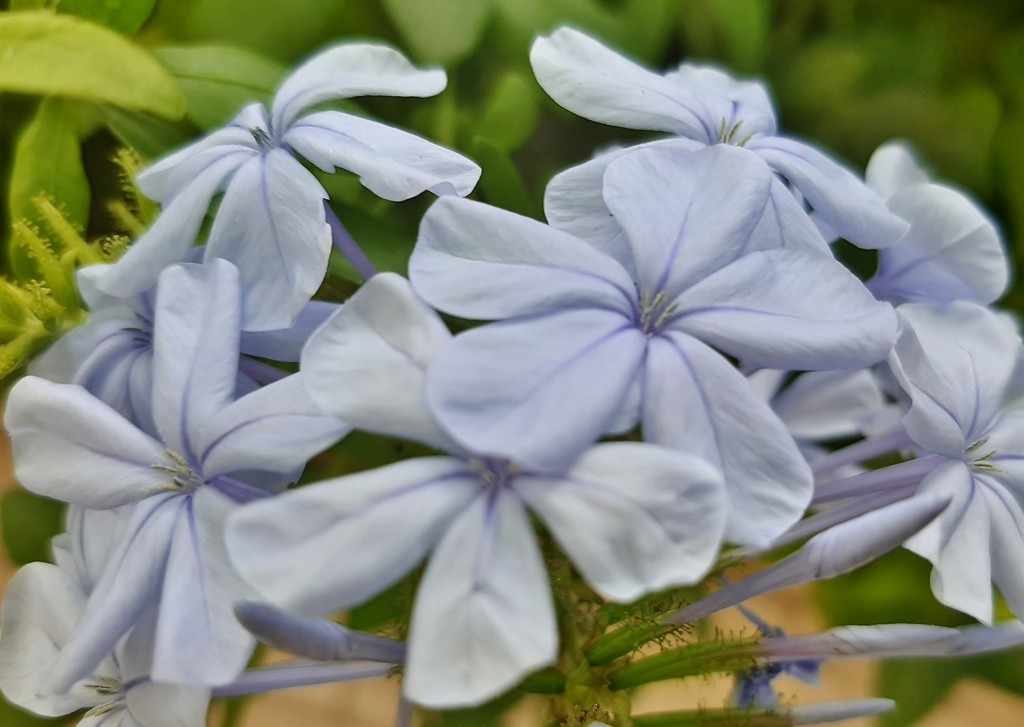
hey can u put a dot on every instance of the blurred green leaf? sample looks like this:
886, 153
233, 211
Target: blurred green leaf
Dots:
219, 80
11, 716
440, 31
48, 161
501, 183
150, 136
739, 27
61, 55
124, 16
511, 114
29, 522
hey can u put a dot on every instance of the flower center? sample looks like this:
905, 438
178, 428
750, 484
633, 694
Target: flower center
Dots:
654, 313
106, 687
261, 137
980, 462
494, 474
731, 134
183, 477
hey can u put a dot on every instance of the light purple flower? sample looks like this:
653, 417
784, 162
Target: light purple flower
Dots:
956, 362
595, 341
70, 446
41, 607
701, 106
951, 251
271, 223
632, 517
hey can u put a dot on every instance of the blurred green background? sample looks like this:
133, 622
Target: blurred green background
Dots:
153, 74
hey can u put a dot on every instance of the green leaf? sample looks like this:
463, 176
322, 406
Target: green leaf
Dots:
29, 522
124, 16
219, 80
511, 114
48, 161
61, 55
150, 136
744, 28
440, 31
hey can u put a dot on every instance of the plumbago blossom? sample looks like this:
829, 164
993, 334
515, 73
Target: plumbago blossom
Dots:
111, 354
701, 106
596, 340
41, 608
683, 293
170, 560
483, 616
272, 222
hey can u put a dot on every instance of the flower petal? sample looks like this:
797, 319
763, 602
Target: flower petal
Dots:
71, 446
633, 517
955, 362
274, 429
40, 607
536, 390
951, 251
829, 404
285, 344
367, 365
198, 639
670, 203
170, 238
788, 309
477, 261
483, 617
749, 103
352, 69
574, 201
271, 225
767, 481
837, 195
307, 550
391, 163
195, 349
597, 83
892, 168
129, 585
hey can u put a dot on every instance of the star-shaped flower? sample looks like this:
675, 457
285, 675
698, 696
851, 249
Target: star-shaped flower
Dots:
213, 451
271, 223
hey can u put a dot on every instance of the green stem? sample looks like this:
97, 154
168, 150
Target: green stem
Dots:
625, 640
548, 681
689, 661
713, 718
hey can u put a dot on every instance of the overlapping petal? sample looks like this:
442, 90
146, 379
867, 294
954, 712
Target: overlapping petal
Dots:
727, 424
478, 261
788, 309
484, 618
198, 640
271, 225
391, 163
402, 510
671, 204
955, 362
352, 69
367, 366
654, 517
829, 404
539, 390
849, 207
195, 343
596, 83
70, 446
749, 100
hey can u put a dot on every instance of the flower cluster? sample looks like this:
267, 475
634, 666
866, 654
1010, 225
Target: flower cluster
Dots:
654, 393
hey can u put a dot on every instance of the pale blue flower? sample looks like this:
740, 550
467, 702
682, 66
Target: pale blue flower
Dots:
951, 251
597, 340
170, 559
632, 517
272, 222
702, 106
43, 604
956, 362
